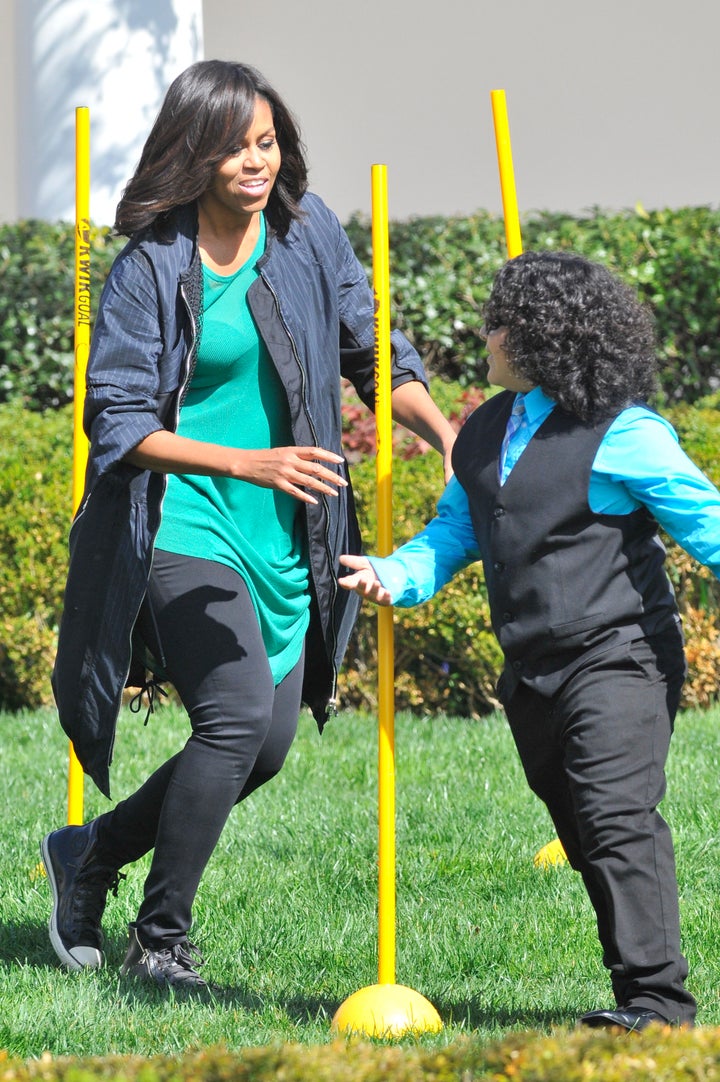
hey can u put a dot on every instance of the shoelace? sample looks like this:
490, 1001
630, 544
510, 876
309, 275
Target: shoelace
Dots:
187, 955
90, 894
179, 959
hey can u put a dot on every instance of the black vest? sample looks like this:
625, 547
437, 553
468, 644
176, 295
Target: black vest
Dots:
561, 580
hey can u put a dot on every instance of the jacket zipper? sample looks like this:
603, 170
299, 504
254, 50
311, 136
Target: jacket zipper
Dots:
331, 708
191, 353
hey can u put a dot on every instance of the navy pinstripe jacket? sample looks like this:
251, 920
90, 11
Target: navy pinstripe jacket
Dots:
314, 309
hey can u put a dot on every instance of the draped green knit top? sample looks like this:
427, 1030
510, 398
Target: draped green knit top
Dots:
236, 399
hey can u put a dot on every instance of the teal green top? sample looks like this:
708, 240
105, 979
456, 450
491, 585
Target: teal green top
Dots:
236, 399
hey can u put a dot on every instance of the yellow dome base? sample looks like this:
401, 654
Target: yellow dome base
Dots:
386, 1010
551, 855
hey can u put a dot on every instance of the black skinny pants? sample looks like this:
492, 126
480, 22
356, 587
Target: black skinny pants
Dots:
595, 753
242, 728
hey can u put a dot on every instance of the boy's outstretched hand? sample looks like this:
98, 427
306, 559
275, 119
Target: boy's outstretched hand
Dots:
364, 581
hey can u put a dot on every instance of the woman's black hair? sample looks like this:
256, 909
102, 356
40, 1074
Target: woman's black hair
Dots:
206, 112
575, 330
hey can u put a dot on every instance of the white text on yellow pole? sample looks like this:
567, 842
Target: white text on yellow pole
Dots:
82, 348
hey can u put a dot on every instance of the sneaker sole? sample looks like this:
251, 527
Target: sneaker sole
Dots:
77, 957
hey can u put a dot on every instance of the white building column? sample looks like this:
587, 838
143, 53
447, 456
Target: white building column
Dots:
117, 57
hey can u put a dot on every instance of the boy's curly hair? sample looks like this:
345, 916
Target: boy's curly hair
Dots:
576, 331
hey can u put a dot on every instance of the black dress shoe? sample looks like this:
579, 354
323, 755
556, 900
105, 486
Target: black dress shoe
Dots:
630, 1018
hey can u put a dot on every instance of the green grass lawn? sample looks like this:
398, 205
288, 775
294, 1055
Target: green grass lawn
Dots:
286, 913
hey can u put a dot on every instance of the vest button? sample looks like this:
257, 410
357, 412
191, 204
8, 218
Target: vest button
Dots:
517, 665
497, 566
498, 512
508, 617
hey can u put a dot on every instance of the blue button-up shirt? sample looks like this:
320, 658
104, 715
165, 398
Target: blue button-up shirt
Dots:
639, 463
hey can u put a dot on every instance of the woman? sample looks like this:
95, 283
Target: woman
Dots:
213, 393
560, 483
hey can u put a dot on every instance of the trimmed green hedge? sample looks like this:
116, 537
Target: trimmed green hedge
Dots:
35, 513
37, 323
657, 1055
441, 270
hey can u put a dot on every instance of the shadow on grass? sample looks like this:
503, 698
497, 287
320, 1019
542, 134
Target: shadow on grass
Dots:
28, 945
473, 1016
25, 944
462, 1016
300, 1011
136, 993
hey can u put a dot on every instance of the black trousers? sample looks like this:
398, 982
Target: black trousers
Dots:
595, 753
242, 727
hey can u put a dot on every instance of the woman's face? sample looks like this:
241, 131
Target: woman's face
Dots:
500, 370
244, 180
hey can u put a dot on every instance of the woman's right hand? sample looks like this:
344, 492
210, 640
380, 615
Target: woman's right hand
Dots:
289, 469
293, 470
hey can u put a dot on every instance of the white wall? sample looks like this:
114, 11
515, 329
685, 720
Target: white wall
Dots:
114, 56
8, 112
609, 103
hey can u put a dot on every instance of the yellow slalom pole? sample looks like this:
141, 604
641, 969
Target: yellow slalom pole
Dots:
386, 659
385, 1009
507, 173
82, 348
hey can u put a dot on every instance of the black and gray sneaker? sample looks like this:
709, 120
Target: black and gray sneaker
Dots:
174, 966
80, 884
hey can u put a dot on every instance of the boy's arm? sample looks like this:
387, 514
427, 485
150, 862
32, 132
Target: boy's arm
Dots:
641, 454
422, 566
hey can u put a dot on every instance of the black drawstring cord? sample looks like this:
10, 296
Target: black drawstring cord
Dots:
152, 689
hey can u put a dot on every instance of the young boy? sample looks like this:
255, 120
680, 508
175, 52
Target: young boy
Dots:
560, 483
